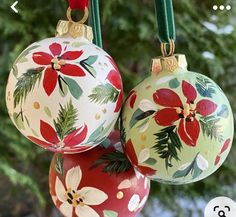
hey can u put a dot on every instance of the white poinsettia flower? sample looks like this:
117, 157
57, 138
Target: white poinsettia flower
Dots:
78, 199
144, 155
147, 105
164, 80
202, 163
134, 203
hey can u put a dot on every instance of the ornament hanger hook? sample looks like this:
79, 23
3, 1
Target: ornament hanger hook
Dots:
171, 46
83, 20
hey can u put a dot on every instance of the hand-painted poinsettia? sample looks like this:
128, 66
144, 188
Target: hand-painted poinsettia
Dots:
132, 96
56, 62
130, 152
114, 78
78, 200
225, 147
186, 112
52, 141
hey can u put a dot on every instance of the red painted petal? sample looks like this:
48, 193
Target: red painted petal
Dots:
166, 117
55, 49
49, 80
130, 152
206, 107
119, 102
39, 142
48, 133
146, 171
77, 138
72, 70
193, 130
225, 146
132, 100
42, 58
167, 97
71, 55
217, 160
183, 135
115, 79
189, 91
129, 95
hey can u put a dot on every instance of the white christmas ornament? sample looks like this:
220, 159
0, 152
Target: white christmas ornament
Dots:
65, 93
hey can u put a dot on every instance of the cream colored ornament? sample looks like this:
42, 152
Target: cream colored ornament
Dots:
65, 93
177, 126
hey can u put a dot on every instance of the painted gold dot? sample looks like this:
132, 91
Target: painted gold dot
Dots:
148, 87
36, 105
104, 110
142, 146
120, 195
97, 116
143, 137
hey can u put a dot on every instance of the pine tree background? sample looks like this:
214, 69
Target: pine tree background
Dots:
207, 37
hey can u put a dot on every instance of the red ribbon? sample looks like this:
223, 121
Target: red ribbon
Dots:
78, 4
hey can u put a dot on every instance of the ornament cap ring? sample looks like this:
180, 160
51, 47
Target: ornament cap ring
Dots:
171, 51
84, 18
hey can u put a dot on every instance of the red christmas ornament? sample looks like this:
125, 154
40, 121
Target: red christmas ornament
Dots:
80, 187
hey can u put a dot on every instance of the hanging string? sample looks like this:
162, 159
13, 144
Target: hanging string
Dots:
95, 22
166, 25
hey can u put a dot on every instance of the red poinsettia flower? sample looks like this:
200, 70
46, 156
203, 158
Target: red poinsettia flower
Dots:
57, 62
115, 79
52, 141
186, 112
225, 147
130, 153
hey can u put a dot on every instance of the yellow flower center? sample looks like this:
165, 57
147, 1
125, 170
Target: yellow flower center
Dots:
57, 63
186, 111
74, 198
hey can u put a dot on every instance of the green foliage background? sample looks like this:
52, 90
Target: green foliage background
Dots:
130, 36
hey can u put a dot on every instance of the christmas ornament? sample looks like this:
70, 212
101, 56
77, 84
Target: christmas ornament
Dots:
65, 93
177, 125
80, 187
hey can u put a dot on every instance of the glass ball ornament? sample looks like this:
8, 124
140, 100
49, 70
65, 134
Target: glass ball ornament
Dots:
78, 188
177, 126
65, 93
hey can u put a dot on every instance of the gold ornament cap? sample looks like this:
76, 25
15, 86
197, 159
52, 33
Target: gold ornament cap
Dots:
70, 28
170, 63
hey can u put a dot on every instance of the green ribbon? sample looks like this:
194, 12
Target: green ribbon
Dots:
94, 22
165, 20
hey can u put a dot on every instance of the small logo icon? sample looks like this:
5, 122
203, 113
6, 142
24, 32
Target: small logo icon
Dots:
13, 6
220, 207
222, 7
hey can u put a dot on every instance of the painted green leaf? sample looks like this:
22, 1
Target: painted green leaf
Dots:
65, 122
181, 173
106, 143
77, 44
74, 87
224, 111
196, 171
174, 83
26, 52
205, 87
91, 60
59, 164
96, 134
140, 115
104, 93
63, 88
110, 213
47, 111
26, 84
150, 161
211, 127
168, 145
19, 121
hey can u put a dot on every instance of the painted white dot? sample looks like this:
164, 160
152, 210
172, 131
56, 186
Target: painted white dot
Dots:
222, 7
228, 7
215, 7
